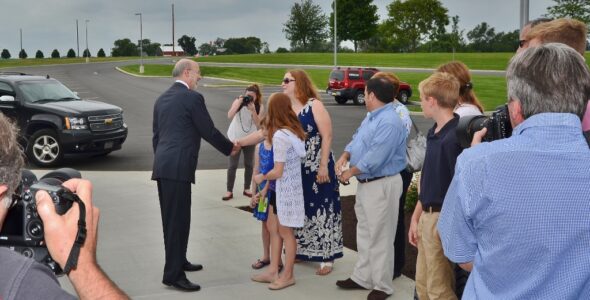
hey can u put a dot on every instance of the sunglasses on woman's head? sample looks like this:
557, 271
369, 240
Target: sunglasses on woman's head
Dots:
287, 80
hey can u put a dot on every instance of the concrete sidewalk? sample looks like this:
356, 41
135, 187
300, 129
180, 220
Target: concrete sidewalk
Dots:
224, 239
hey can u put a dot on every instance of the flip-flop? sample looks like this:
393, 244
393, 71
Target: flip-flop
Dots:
281, 285
325, 265
259, 264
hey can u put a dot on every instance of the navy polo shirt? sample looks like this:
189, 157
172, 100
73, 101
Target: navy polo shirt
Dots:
442, 149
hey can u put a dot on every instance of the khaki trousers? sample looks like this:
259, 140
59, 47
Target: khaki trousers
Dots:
434, 272
376, 208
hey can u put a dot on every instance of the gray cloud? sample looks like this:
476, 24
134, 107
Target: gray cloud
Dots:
51, 24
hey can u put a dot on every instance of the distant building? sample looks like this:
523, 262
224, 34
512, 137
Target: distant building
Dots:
167, 50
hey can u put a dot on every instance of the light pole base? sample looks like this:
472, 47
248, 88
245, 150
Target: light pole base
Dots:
141, 69
87, 59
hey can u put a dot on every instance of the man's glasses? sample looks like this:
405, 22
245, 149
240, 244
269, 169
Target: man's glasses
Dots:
287, 80
521, 43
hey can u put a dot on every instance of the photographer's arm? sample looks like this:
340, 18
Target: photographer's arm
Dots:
235, 107
256, 115
478, 136
87, 278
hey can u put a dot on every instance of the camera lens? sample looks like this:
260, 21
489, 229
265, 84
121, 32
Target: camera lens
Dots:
468, 126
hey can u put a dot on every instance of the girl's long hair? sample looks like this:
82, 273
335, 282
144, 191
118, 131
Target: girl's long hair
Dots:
304, 88
461, 72
256, 89
280, 115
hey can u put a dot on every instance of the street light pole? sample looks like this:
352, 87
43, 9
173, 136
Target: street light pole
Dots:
335, 35
87, 52
140, 43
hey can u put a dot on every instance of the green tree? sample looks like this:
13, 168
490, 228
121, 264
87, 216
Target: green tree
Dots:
306, 27
357, 20
188, 44
86, 53
207, 49
151, 49
71, 53
101, 53
124, 47
39, 54
5, 54
413, 21
481, 37
282, 50
54, 53
22, 54
447, 42
249, 45
575, 9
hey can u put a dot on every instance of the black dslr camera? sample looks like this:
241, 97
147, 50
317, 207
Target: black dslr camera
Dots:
22, 230
245, 101
498, 125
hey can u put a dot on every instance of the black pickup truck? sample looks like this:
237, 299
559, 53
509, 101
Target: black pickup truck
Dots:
54, 122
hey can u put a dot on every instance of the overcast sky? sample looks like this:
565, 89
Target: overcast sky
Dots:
51, 24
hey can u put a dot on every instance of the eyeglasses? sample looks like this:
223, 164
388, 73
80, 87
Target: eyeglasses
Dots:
287, 80
521, 43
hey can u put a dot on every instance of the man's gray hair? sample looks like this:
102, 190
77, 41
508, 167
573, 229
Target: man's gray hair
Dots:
549, 78
11, 155
180, 66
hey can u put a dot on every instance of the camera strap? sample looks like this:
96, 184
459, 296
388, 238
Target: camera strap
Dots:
80, 235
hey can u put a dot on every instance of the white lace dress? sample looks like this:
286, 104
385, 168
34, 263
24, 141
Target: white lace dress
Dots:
289, 149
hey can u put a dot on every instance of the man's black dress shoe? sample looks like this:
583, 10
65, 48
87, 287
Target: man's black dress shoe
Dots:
192, 267
184, 285
349, 284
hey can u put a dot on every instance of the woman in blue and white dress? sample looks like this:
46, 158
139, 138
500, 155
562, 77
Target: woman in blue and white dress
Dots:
320, 239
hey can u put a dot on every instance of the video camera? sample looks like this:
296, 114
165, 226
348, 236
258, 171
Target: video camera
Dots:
22, 230
498, 125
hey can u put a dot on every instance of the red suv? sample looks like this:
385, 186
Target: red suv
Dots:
349, 83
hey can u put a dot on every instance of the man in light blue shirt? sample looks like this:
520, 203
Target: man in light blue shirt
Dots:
517, 213
377, 154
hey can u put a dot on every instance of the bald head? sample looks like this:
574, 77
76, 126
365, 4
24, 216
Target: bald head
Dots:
188, 71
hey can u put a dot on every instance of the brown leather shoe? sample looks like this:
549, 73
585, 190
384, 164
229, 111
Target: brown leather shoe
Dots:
377, 295
349, 284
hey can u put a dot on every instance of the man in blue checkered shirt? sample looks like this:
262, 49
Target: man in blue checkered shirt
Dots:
517, 213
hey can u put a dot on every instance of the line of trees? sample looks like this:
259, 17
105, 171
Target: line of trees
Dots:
410, 26
54, 54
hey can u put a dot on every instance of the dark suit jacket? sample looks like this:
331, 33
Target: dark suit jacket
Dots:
180, 121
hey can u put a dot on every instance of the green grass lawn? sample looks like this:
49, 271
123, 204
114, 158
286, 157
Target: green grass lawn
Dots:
12, 63
475, 61
491, 90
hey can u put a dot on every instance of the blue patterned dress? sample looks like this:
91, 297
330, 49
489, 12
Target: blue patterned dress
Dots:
321, 237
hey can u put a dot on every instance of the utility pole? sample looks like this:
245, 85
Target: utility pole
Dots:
335, 35
77, 39
21, 39
87, 51
173, 43
524, 13
140, 43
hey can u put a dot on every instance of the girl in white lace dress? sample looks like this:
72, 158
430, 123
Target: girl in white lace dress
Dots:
288, 149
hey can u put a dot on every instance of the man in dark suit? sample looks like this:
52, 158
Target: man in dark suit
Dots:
180, 121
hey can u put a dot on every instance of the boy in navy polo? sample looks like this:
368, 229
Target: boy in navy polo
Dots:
434, 272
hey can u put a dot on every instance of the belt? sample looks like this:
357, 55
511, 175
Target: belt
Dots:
431, 208
369, 179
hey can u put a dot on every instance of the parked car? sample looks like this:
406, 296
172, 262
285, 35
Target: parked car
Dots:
349, 83
54, 122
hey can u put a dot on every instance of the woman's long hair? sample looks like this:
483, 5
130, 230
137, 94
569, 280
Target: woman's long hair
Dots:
304, 88
256, 90
280, 116
461, 72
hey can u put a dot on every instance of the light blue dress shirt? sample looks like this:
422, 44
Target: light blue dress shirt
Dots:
378, 147
519, 209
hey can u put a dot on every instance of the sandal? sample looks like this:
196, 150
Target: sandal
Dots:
325, 268
279, 285
259, 264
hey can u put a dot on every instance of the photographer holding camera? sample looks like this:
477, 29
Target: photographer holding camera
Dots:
516, 213
245, 113
22, 277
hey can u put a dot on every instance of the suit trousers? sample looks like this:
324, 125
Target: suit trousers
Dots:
376, 208
400, 233
175, 206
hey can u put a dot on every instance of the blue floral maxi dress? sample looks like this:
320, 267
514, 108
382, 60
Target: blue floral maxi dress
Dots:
321, 237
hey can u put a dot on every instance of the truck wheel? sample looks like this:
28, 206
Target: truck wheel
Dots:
359, 98
340, 100
403, 97
44, 149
